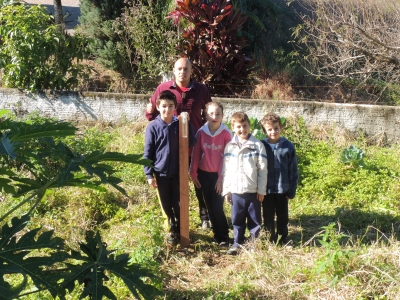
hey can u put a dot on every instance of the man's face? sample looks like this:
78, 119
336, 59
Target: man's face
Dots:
241, 129
182, 72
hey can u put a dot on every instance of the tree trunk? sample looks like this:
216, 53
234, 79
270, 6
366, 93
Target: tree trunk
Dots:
58, 14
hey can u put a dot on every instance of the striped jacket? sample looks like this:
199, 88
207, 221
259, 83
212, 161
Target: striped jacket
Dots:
245, 169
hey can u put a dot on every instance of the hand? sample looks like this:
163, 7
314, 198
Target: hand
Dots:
196, 183
150, 107
152, 182
218, 187
260, 197
228, 198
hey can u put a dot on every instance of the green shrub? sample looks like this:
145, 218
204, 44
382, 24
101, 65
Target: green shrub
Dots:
35, 53
212, 42
132, 38
45, 163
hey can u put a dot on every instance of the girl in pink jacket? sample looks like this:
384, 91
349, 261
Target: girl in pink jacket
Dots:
206, 168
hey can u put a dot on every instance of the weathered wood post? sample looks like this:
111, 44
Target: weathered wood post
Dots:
184, 178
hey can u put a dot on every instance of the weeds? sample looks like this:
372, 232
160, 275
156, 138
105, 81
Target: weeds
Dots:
358, 260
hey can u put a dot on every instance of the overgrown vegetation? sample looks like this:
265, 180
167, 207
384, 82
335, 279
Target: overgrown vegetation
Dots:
33, 162
211, 40
35, 53
353, 43
132, 38
344, 225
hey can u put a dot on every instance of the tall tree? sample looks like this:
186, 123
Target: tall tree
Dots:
58, 13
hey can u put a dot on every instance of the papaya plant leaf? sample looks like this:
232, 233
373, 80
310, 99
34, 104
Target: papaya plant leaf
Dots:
95, 260
115, 156
26, 132
7, 147
15, 256
6, 187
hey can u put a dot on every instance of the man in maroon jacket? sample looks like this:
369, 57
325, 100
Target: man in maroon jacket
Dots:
191, 97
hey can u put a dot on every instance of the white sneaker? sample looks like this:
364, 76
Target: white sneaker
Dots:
206, 225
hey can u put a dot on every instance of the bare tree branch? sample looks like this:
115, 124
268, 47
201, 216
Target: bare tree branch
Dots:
351, 40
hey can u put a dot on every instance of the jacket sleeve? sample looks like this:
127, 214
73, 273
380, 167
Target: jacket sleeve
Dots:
196, 155
192, 136
293, 175
226, 185
227, 139
262, 166
149, 151
206, 99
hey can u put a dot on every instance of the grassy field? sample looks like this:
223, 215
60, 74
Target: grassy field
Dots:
343, 234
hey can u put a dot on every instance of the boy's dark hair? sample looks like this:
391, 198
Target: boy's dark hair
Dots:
213, 103
166, 95
239, 117
270, 119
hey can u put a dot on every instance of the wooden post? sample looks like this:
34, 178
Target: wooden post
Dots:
184, 178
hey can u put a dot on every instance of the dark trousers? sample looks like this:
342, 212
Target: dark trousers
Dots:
169, 191
245, 207
214, 203
203, 212
276, 204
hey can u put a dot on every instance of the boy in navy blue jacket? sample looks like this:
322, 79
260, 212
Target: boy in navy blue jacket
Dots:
282, 178
162, 147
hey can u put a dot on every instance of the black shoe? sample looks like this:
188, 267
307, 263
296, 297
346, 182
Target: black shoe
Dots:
282, 241
173, 239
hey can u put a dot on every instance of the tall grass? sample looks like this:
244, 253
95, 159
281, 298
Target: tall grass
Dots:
344, 226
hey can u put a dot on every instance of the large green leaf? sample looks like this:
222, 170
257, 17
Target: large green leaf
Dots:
15, 257
116, 156
7, 147
26, 132
95, 260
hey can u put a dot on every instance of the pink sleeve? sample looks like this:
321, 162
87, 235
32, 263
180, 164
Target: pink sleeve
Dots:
227, 138
196, 155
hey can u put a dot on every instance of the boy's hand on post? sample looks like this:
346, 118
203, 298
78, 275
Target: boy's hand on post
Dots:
150, 107
152, 182
218, 187
260, 197
228, 198
196, 182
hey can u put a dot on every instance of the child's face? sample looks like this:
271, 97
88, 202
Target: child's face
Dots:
166, 109
273, 131
214, 115
241, 129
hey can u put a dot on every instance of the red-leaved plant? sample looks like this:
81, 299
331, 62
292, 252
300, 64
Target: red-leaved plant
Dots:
211, 41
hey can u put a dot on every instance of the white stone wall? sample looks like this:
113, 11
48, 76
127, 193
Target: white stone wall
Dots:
113, 107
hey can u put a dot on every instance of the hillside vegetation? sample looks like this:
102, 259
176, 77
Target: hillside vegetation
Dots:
343, 234
265, 49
